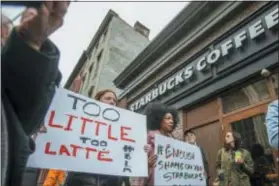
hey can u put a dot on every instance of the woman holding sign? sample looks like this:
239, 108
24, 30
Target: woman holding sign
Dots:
85, 179
234, 164
162, 120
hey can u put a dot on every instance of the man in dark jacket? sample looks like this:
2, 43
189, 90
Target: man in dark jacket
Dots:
29, 77
190, 137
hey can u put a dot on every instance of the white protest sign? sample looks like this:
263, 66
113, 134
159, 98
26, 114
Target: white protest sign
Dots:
84, 135
178, 164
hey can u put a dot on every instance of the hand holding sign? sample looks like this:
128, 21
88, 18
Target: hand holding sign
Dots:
43, 129
152, 160
147, 148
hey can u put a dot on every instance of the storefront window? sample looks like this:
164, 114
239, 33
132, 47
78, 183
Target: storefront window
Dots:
275, 82
252, 130
245, 96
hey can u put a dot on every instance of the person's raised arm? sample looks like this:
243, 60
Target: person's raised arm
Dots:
272, 124
30, 65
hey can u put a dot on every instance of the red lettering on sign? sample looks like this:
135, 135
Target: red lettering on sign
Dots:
75, 148
109, 134
70, 121
84, 123
64, 150
98, 126
101, 158
88, 150
123, 134
51, 122
47, 149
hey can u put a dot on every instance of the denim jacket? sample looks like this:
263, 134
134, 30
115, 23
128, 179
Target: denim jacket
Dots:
272, 123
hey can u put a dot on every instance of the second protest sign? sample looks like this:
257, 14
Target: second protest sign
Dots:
178, 163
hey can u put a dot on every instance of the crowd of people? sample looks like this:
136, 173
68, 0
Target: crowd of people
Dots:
30, 76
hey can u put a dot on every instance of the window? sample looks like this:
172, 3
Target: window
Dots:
252, 131
245, 96
96, 46
84, 78
90, 92
99, 56
105, 33
274, 78
90, 68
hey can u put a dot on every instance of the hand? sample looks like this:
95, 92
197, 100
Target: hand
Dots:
43, 129
38, 27
205, 174
147, 148
239, 162
152, 160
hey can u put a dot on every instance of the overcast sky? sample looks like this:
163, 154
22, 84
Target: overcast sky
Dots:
84, 18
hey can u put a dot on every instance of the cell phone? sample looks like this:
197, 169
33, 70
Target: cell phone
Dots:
31, 4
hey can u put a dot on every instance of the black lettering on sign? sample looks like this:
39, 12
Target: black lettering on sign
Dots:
93, 109
84, 139
171, 152
93, 106
103, 143
75, 100
161, 164
182, 175
176, 165
160, 149
127, 156
117, 117
94, 142
168, 176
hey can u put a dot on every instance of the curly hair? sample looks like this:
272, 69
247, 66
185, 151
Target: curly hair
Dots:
155, 112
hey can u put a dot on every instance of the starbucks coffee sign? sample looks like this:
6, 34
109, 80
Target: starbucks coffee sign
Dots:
221, 55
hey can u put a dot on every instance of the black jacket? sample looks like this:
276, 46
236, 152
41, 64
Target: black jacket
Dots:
205, 162
85, 179
29, 79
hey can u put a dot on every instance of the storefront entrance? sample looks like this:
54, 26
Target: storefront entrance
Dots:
244, 111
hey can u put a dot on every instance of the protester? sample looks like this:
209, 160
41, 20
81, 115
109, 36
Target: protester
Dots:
161, 119
262, 167
31, 175
86, 179
234, 164
29, 76
190, 137
272, 124
6, 28
55, 178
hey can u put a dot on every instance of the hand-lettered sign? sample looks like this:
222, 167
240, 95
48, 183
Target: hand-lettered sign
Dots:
84, 135
178, 163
